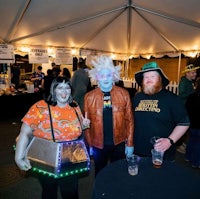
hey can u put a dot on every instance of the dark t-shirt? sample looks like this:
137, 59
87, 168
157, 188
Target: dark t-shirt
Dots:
107, 120
47, 83
156, 115
15, 71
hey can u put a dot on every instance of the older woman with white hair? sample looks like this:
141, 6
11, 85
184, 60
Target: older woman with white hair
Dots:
110, 111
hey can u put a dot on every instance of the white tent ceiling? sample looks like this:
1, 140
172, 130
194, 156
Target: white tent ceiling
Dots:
128, 27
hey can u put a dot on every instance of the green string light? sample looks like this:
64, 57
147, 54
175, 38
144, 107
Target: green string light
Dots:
14, 147
77, 171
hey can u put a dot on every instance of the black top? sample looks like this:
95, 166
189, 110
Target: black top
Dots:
193, 109
107, 120
47, 83
157, 115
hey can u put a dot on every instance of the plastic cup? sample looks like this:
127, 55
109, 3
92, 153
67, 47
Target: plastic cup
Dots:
157, 158
133, 164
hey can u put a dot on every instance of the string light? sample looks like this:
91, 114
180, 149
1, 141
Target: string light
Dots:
64, 174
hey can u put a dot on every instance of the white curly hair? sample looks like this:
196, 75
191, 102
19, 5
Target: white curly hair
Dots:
102, 62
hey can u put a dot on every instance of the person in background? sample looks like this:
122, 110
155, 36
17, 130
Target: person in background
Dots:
53, 65
186, 84
185, 88
36, 123
55, 70
120, 83
193, 145
157, 112
109, 109
46, 82
15, 75
80, 82
66, 73
37, 79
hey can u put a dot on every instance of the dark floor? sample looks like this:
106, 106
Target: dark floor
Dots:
18, 185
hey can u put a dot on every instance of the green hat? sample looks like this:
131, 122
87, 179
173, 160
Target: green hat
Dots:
151, 66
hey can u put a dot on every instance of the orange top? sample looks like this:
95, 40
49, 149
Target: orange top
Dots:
65, 122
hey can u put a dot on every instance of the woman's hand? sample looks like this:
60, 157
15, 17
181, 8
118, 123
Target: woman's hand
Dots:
21, 144
86, 121
23, 164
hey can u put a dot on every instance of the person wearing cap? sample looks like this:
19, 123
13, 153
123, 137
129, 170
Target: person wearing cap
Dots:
109, 109
186, 84
186, 88
157, 112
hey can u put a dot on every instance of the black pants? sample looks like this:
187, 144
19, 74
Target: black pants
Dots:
68, 187
109, 153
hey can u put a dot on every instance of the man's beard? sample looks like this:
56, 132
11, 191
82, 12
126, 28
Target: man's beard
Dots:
152, 89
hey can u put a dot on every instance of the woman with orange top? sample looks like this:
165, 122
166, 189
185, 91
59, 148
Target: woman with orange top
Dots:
68, 123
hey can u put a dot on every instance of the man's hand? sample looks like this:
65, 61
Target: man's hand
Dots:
129, 151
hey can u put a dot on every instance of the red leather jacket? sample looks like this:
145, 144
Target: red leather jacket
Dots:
123, 123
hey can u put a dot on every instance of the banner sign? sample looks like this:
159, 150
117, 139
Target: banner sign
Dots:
7, 54
85, 52
63, 56
38, 55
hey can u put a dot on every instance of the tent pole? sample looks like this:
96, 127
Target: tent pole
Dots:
157, 31
68, 24
18, 19
168, 16
102, 28
179, 67
129, 23
126, 67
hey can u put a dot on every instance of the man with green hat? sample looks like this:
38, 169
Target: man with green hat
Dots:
157, 112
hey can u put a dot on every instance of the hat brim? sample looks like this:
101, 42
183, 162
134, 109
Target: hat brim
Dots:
189, 70
139, 76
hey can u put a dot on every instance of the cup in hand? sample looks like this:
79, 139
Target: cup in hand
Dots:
154, 139
157, 158
133, 163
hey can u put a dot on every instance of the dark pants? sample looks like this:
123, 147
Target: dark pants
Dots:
108, 154
193, 147
68, 187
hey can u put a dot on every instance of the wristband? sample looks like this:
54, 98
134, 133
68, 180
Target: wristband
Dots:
171, 141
